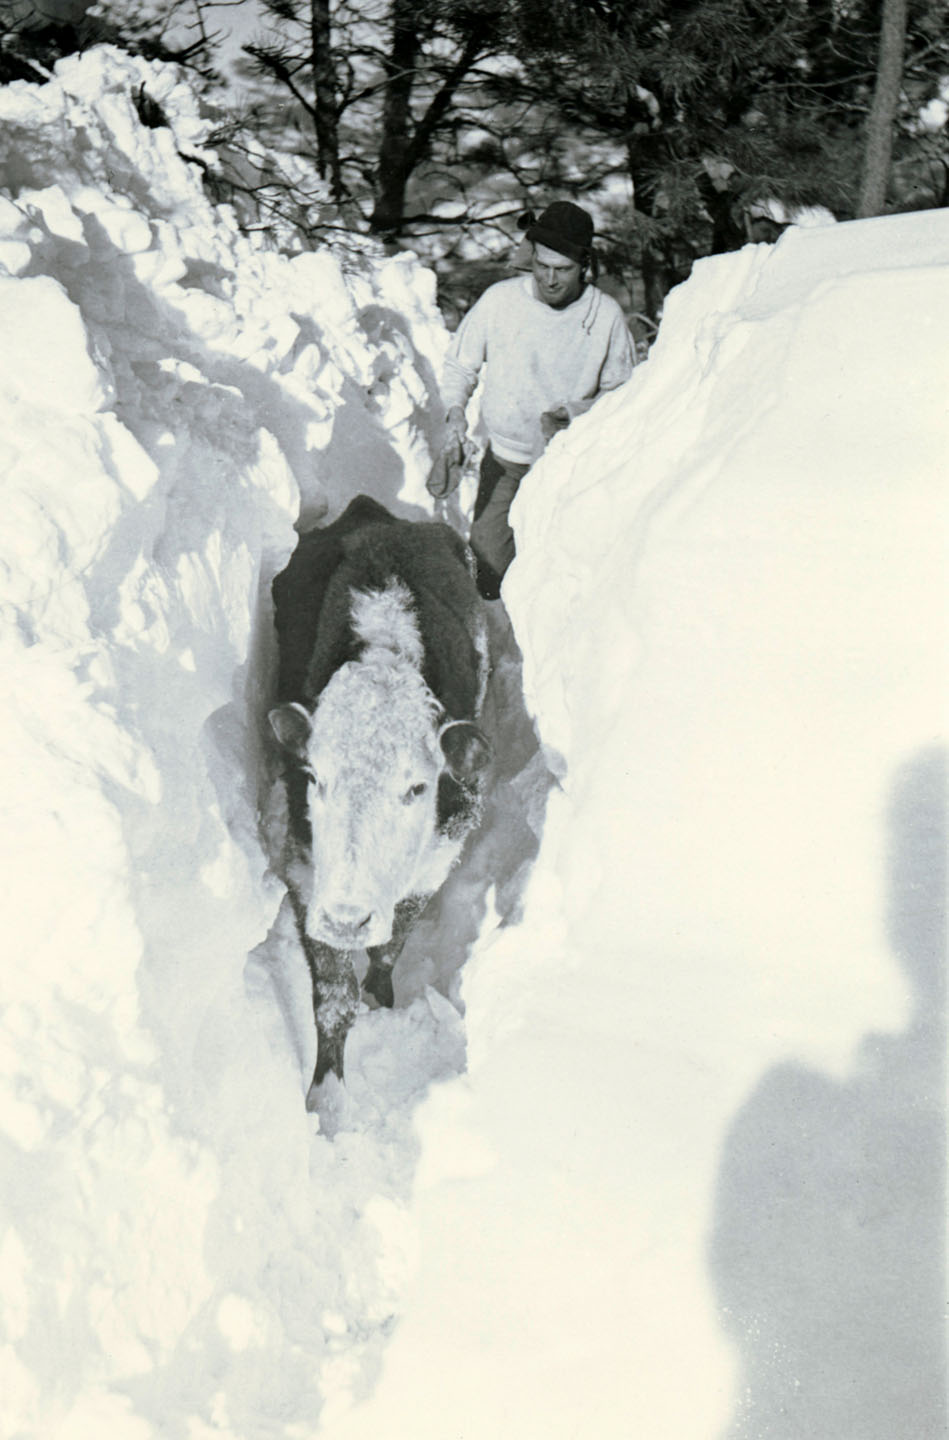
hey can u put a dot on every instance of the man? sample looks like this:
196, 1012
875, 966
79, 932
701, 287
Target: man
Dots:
549, 342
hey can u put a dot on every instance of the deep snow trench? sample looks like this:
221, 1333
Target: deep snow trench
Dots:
176, 396
391, 1058
678, 1168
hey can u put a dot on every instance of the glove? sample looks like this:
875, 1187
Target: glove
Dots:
445, 475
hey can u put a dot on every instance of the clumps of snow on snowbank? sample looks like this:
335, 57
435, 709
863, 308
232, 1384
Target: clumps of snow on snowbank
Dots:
179, 1250
337, 353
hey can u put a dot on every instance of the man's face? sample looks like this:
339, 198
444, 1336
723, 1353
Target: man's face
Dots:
558, 280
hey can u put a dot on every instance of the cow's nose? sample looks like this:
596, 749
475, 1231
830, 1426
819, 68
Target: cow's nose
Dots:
352, 917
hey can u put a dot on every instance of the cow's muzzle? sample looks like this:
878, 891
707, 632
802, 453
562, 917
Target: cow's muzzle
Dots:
345, 927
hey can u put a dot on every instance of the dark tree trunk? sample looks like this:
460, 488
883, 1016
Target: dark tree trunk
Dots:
405, 144
658, 280
886, 97
395, 147
325, 118
656, 267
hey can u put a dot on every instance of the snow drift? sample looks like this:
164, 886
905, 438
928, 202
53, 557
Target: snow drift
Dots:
727, 595
172, 393
689, 1087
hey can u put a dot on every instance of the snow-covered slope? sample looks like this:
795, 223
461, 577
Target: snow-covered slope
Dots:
674, 1190
728, 597
180, 1252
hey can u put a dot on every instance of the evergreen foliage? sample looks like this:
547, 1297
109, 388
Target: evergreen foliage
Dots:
690, 126
725, 106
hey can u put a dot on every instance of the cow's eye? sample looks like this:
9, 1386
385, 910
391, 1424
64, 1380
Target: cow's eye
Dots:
413, 792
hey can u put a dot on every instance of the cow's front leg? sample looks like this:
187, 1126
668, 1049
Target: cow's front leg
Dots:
335, 1004
382, 958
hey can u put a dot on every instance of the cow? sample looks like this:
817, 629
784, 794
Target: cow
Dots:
382, 670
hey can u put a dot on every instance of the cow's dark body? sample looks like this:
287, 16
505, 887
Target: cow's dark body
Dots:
365, 549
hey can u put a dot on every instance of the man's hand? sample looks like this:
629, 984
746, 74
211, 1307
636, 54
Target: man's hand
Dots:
553, 420
456, 428
446, 473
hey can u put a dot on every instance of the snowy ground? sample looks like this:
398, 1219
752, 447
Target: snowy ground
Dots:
664, 1155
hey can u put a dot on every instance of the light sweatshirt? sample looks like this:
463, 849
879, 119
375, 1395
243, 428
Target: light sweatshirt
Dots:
535, 359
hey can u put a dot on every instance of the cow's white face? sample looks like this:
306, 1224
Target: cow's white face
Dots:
364, 835
371, 757
373, 760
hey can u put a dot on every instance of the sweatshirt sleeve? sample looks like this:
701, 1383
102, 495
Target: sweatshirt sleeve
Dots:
616, 368
466, 355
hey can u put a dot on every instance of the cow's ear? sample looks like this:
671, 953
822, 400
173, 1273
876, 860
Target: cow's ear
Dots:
291, 724
466, 749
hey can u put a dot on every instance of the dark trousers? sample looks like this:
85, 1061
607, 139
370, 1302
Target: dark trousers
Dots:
492, 538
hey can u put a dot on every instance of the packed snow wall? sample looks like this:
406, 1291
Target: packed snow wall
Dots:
181, 1251
692, 1183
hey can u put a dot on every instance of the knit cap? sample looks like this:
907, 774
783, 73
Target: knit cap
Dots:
563, 227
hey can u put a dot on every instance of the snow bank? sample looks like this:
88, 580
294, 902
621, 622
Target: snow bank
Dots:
729, 592
180, 1251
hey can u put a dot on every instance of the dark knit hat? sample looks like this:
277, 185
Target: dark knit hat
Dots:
563, 227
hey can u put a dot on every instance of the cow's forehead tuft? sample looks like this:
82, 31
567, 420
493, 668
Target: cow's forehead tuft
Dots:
385, 619
377, 717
